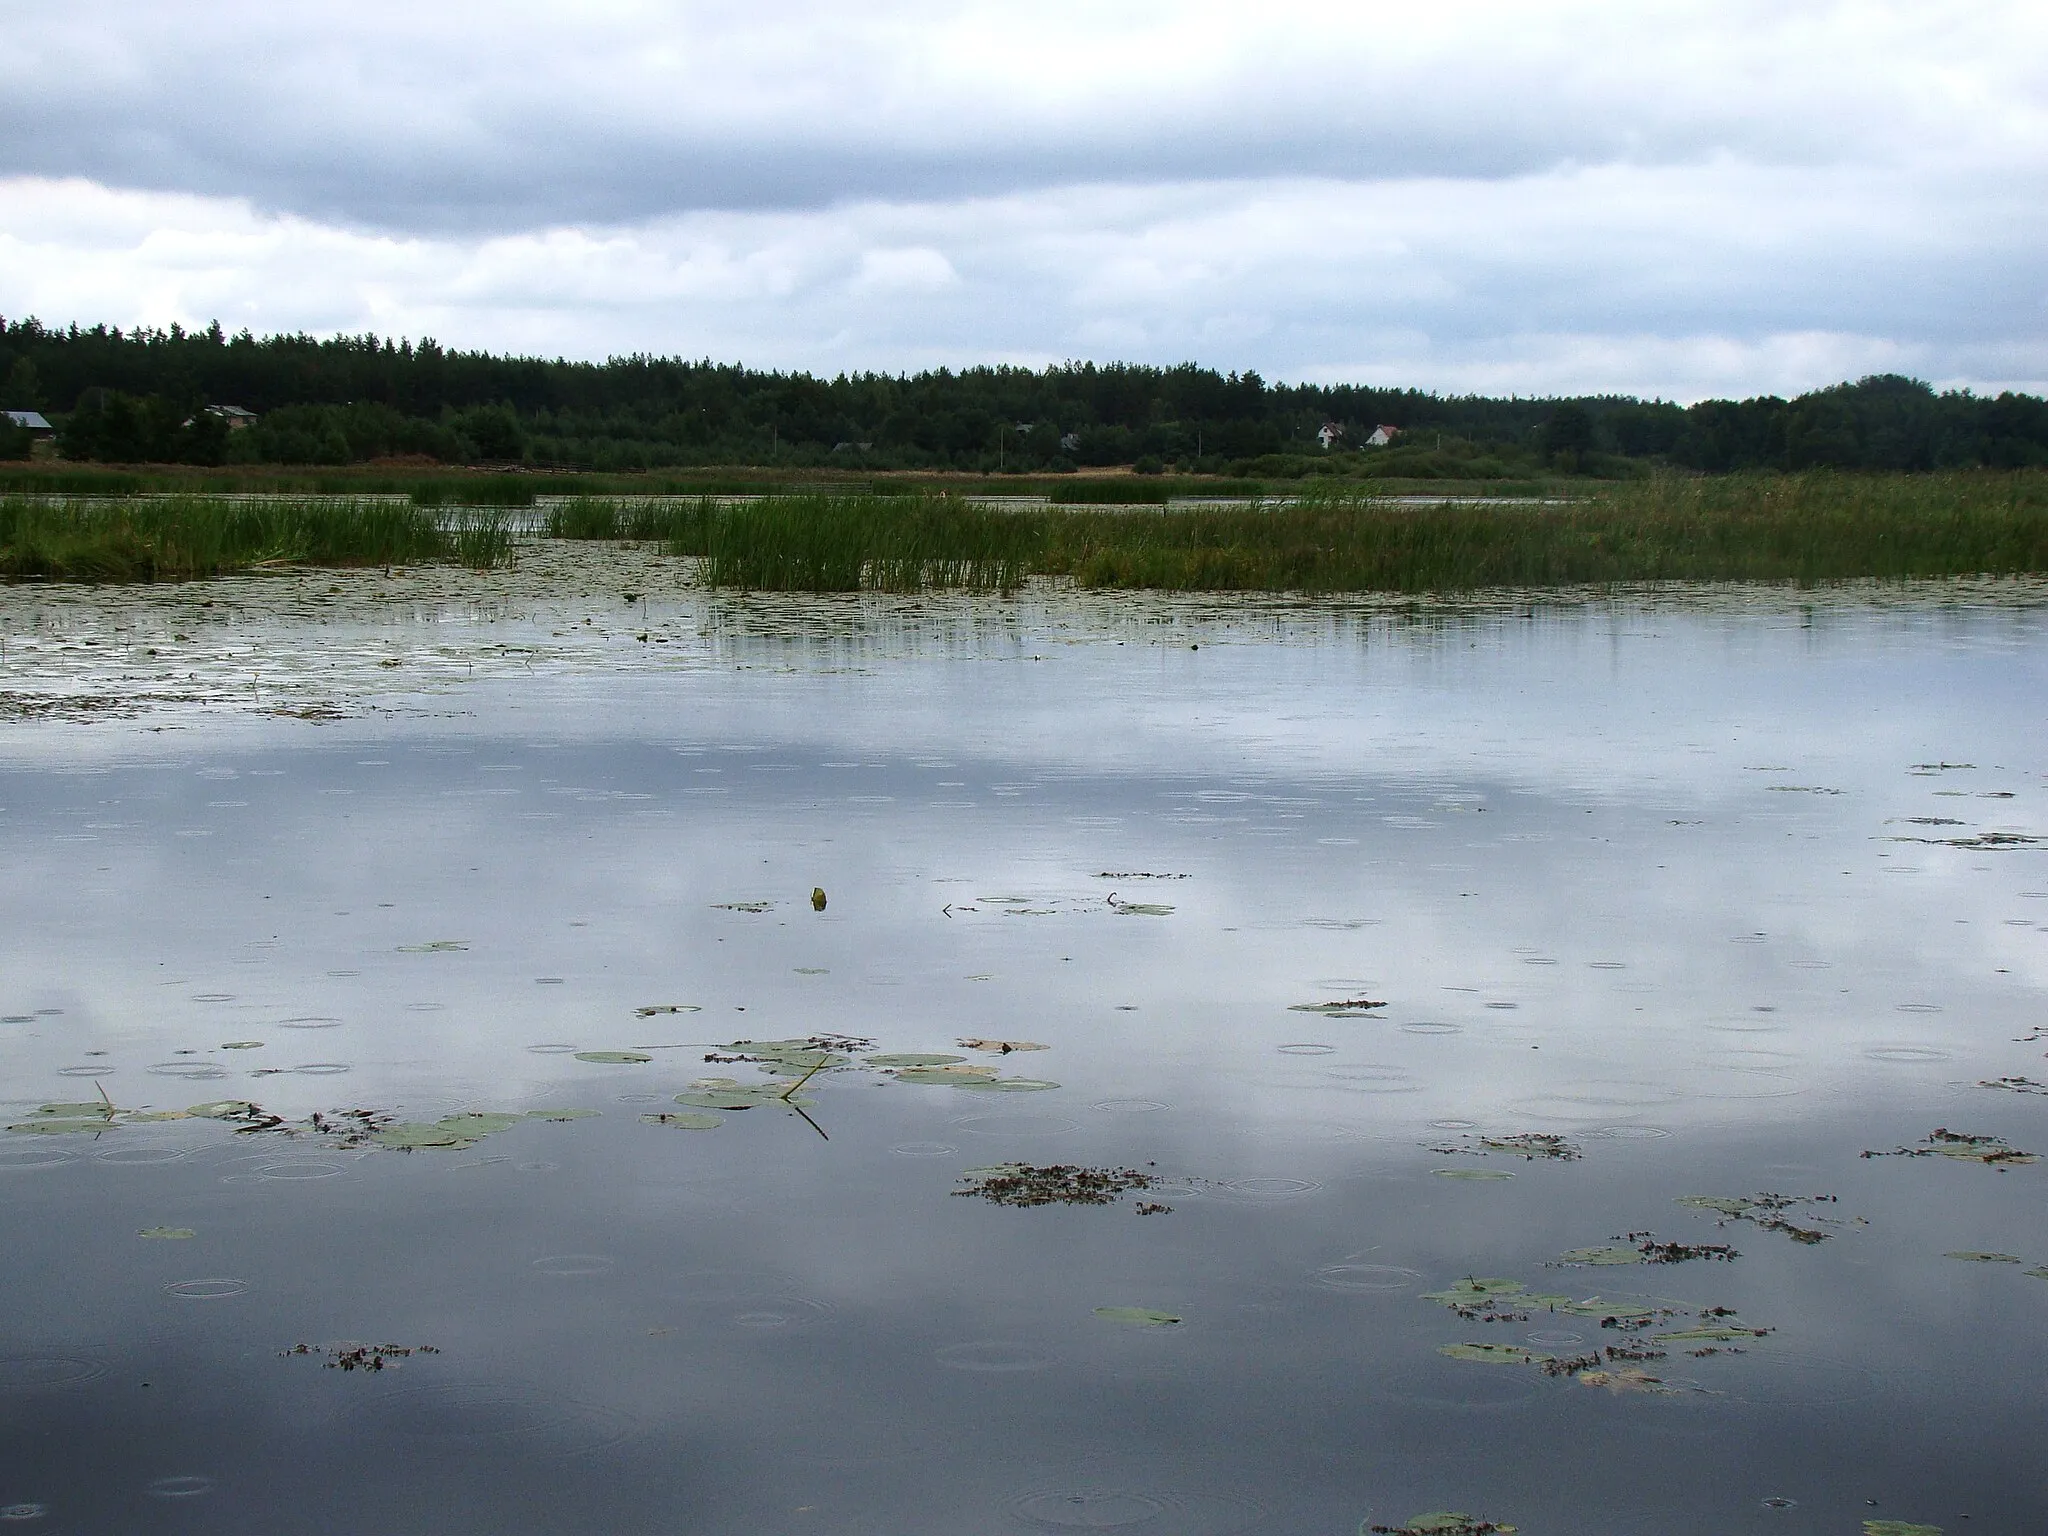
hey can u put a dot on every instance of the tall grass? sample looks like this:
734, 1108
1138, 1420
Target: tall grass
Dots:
180, 537
825, 543
1808, 528
474, 491
604, 517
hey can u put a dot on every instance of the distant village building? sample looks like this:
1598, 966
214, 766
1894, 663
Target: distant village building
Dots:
1330, 436
1070, 442
33, 420
1382, 436
236, 418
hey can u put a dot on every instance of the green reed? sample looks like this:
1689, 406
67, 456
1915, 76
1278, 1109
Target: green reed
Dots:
181, 537
830, 543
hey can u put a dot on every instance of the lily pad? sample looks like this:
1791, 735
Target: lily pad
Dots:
1614, 1255
654, 1008
1629, 1379
61, 1127
1440, 1522
614, 1058
1142, 909
1713, 1333
1473, 1288
435, 947
1898, 1528
1495, 1354
1342, 1010
999, 1047
243, 1045
912, 1059
1726, 1205
563, 1114
1010, 1085
1985, 1258
1472, 1175
1138, 1317
413, 1137
479, 1122
2040, 1273
743, 906
168, 1233
944, 1077
224, 1109
686, 1121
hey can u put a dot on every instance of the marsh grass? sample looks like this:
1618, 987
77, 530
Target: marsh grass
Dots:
826, 543
602, 517
181, 537
1805, 528
474, 491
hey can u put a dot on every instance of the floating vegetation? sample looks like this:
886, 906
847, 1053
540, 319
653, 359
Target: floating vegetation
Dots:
1023, 1184
359, 1357
743, 906
688, 1120
1138, 908
614, 1058
1338, 1010
1767, 1211
652, 1009
1981, 840
995, 1047
66, 1119
1529, 1146
1715, 1330
1898, 1528
1969, 1257
1139, 1317
1135, 874
1472, 1175
817, 898
435, 947
915, 1059
1441, 1522
242, 1045
729, 1093
1644, 1248
2015, 1085
167, 1234
1496, 1354
1942, 1142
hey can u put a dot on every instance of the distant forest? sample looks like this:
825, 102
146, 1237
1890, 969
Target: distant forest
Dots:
141, 396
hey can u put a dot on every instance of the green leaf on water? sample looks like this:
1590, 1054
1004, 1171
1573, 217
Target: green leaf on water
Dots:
86, 1110
743, 906
1010, 1085
1495, 1354
1601, 1256
1473, 1288
60, 1127
686, 1121
945, 1077
1725, 1204
415, 1138
1137, 1317
168, 1233
1441, 1522
1473, 1175
1898, 1528
1142, 909
223, 1109
912, 1059
613, 1058
1985, 1258
562, 1114
1713, 1334
739, 1098
653, 1008
243, 1045
478, 1122
2038, 1274
435, 947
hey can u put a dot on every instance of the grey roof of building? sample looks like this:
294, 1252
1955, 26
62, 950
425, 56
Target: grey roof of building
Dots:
33, 420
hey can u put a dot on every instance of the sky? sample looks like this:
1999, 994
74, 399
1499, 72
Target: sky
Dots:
1668, 198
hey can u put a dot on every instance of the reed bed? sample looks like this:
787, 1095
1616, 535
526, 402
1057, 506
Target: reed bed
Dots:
656, 520
183, 537
1808, 528
826, 543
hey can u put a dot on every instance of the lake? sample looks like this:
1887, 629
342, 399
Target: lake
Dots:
437, 1100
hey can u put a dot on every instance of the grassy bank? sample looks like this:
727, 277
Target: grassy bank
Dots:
182, 537
825, 543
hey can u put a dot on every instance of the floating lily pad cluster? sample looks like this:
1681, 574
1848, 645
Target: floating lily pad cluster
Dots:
359, 1357
2015, 1085
2039, 1272
1529, 1146
337, 1128
1349, 1008
1441, 1522
1942, 1142
1139, 1317
1022, 1184
1641, 1332
1767, 1211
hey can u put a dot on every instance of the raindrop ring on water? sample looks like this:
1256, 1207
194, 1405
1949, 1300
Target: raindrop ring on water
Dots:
997, 1356
575, 1264
215, 1289
187, 1487
1385, 1278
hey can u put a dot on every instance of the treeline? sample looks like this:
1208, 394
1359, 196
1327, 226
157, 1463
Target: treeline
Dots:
142, 396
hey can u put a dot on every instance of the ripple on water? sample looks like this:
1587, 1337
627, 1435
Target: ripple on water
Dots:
995, 1356
1384, 1279
924, 1149
322, 1068
87, 1071
1432, 1027
1016, 1125
553, 1048
782, 1312
439, 1421
1180, 1512
22, 1159
572, 1265
23, 1511
189, 1071
190, 1485
1916, 1007
309, 1021
1908, 1055
38, 1369
1597, 1100
1260, 1191
217, 1288
1373, 1079
1306, 1048
1129, 1106
142, 1157
1626, 1133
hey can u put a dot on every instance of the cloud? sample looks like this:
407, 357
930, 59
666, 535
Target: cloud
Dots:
1675, 198
1685, 281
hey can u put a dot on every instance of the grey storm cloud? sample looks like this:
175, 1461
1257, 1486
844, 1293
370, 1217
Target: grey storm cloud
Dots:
1676, 198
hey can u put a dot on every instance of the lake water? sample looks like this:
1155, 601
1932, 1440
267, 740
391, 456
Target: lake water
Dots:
1706, 892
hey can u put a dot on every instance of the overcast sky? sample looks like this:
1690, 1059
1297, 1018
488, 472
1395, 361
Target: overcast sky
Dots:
1661, 197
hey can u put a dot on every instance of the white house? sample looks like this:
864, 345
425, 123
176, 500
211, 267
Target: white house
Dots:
1330, 436
1381, 436
33, 420
236, 418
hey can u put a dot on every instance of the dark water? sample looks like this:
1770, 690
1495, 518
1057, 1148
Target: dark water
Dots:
1628, 876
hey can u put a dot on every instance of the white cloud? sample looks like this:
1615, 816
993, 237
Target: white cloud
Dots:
1676, 197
